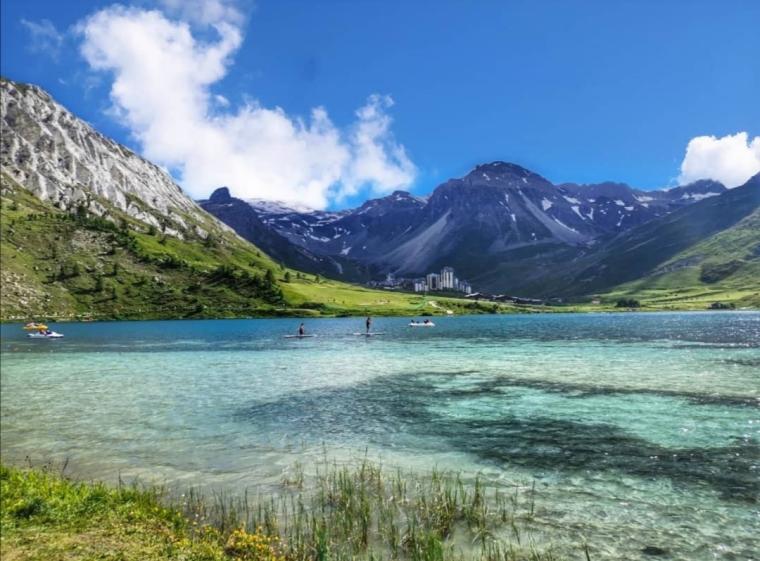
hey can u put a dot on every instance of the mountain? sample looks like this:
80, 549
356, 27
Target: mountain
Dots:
90, 229
707, 252
694, 237
642, 251
502, 226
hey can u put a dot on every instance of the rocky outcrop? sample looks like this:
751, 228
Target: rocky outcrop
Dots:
245, 220
62, 159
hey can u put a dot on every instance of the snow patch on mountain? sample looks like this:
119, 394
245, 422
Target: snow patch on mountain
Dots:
698, 196
558, 221
278, 207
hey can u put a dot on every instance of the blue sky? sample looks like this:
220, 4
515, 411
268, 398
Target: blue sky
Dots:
578, 91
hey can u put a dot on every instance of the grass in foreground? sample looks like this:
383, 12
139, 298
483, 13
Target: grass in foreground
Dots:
341, 513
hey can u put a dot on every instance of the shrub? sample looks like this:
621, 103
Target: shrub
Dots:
628, 303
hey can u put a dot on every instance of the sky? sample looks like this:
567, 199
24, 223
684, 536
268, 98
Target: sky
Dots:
327, 103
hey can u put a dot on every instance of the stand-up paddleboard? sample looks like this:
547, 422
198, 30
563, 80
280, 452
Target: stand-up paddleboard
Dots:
298, 336
370, 334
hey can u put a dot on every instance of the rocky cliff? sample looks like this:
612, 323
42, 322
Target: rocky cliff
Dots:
63, 160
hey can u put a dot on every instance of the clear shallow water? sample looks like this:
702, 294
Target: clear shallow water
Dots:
639, 429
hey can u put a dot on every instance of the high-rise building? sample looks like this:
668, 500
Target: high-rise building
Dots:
420, 285
448, 280
434, 281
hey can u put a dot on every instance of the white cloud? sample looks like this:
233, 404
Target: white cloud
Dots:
45, 37
204, 12
731, 159
162, 79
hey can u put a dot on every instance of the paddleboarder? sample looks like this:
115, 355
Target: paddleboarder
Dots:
301, 330
368, 323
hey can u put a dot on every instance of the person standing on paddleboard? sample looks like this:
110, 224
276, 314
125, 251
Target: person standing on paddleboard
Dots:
369, 323
301, 330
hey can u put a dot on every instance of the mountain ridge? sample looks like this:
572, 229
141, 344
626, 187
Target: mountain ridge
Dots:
498, 211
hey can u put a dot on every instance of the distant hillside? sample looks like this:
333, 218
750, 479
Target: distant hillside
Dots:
722, 267
678, 240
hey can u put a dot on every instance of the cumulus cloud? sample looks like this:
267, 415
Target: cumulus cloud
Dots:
45, 37
731, 159
205, 12
163, 74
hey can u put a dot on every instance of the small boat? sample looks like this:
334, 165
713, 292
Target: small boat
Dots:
426, 323
47, 334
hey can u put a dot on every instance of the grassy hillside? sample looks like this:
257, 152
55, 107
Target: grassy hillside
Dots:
59, 265
704, 253
643, 252
723, 268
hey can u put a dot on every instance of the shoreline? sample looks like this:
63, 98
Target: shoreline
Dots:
296, 313
339, 511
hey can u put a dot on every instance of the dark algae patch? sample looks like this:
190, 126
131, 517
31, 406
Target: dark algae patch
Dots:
397, 405
654, 551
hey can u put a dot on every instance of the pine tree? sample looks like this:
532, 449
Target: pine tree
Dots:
269, 278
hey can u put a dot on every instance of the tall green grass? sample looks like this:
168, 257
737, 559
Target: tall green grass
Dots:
362, 511
338, 512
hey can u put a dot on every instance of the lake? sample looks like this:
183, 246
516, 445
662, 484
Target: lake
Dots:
639, 430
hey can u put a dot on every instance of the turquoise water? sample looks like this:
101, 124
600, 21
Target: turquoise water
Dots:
638, 429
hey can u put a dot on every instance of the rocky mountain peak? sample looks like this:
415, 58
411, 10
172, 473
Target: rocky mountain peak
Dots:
503, 175
696, 191
502, 168
221, 195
